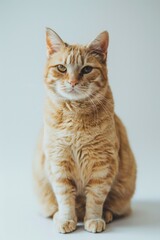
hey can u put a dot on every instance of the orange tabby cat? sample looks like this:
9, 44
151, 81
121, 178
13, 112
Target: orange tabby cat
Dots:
84, 168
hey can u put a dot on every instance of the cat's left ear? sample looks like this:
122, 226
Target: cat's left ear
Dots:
100, 43
53, 42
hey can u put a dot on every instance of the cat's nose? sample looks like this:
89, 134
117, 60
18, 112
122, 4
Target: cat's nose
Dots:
73, 82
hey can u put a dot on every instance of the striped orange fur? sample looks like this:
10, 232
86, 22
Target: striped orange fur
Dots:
84, 168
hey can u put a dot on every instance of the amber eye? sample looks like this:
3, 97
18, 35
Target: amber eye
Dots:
61, 68
86, 69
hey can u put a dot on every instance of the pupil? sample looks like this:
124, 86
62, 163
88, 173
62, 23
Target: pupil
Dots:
62, 68
87, 69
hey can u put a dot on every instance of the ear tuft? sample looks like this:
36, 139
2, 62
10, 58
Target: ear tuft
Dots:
100, 43
53, 41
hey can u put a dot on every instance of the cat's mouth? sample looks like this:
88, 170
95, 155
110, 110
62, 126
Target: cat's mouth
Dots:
70, 90
71, 93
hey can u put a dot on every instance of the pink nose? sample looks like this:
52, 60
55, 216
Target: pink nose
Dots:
73, 82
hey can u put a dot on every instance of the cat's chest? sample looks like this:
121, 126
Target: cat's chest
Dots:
78, 144
73, 132
80, 173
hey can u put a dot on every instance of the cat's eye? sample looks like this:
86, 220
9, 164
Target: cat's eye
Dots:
61, 68
86, 69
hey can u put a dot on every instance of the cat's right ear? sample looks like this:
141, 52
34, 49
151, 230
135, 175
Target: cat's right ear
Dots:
53, 42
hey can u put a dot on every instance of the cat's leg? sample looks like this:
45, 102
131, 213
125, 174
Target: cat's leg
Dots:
65, 191
45, 196
93, 221
108, 216
46, 199
118, 206
96, 193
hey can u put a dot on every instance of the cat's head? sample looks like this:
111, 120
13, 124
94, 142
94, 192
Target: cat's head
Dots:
75, 72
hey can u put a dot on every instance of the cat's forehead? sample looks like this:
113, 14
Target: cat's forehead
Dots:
71, 55
75, 55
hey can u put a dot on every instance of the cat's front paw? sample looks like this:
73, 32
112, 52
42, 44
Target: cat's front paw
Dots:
64, 225
95, 225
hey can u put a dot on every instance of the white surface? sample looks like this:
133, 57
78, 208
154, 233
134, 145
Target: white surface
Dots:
134, 57
20, 219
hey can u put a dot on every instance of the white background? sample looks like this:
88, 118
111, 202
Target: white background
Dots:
134, 75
